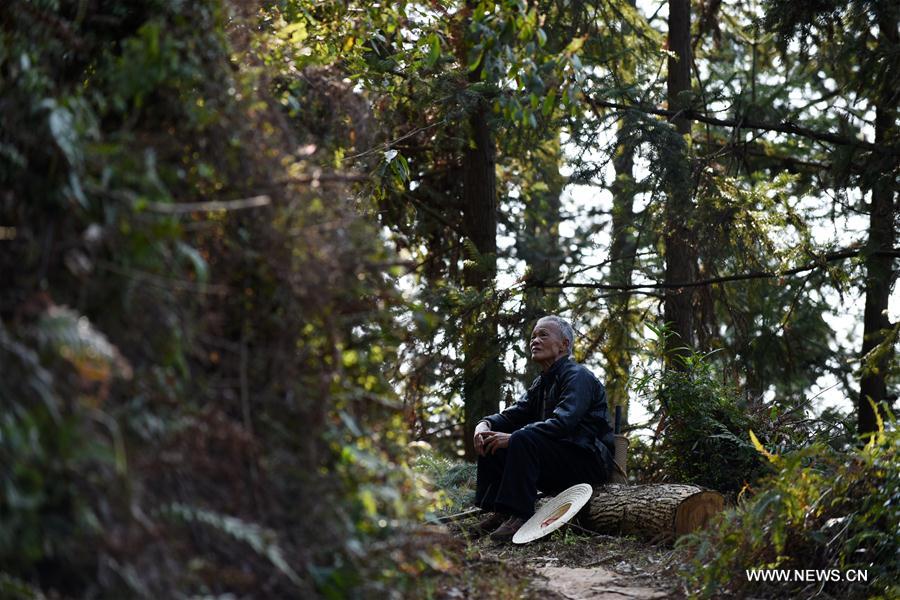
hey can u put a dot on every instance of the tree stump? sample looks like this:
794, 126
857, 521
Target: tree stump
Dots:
659, 511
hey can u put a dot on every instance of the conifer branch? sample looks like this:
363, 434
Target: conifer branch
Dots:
828, 258
744, 123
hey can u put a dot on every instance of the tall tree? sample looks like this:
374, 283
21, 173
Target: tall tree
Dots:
879, 264
538, 241
617, 351
482, 369
679, 253
485, 64
623, 247
864, 65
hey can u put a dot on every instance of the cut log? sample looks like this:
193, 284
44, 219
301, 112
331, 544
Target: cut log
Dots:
659, 511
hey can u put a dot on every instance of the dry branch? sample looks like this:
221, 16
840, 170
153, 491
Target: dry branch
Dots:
210, 206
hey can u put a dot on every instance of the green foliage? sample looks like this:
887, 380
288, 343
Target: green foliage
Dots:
704, 436
45, 517
884, 349
821, 509
753, 226
262, 541
16, 589
51, 452
227, 363
453, 478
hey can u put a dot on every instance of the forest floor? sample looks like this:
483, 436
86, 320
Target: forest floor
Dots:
566, 565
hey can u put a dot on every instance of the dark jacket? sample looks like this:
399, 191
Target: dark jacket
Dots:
567, 403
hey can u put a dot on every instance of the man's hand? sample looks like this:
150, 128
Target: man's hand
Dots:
495, 440
481, 430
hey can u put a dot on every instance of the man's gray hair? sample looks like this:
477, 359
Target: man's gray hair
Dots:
565, 327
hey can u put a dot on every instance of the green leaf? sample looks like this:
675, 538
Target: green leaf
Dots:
62, 127
575, 45
367, 499
201, 269
434, 50
549, 103
475, 59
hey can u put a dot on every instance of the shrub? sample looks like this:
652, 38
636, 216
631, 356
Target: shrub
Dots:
192, 402
822, 509
703, 434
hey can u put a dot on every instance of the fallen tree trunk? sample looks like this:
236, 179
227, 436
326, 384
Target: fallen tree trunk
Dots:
658, 511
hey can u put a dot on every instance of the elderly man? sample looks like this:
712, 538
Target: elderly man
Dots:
554, 436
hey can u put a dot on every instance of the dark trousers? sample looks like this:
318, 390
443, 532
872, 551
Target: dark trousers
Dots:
509, 479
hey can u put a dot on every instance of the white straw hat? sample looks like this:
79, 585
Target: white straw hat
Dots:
554, 514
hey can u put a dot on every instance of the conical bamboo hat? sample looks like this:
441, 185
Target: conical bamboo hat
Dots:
554, 514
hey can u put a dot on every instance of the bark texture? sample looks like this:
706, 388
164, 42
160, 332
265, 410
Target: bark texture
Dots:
617, 351
879, 267
656, 511
482, 371
679, 254
619, 347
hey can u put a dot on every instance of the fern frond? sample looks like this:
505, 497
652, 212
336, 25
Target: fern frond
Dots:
263, 541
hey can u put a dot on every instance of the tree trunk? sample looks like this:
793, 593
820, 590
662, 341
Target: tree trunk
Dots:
539, 246
879, 268
679, 254
621, 320
482, 370
658, 511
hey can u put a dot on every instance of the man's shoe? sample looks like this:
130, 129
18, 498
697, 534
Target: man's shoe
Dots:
508, 529
488, 524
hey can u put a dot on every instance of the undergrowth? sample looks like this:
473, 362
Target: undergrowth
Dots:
454, 480
702, 436
822, 510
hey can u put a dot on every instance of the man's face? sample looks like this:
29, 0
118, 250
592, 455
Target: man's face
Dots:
547, 341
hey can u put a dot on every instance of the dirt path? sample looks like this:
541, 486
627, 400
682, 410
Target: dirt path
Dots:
595, 583
573, 565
